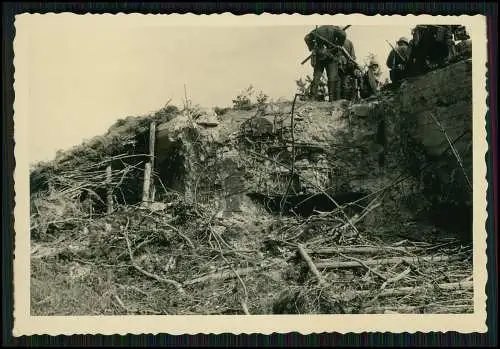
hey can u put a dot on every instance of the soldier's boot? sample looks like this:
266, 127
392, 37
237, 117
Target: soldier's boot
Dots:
334, 90
314, 91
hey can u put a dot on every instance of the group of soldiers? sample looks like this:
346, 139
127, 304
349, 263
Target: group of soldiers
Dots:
431, 47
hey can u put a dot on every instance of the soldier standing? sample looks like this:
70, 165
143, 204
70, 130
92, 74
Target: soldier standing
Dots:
398, 60
325, 57
370, 82
433, 46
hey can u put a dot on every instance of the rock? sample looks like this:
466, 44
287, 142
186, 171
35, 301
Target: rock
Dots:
257, 127
361, 109
364, 109
339, 149
270, 109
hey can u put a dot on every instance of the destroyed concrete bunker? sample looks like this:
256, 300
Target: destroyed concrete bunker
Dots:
401, 144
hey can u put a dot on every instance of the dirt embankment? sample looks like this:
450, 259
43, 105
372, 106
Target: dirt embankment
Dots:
292, 207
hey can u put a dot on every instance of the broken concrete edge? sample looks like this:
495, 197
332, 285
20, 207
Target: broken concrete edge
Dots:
363, 144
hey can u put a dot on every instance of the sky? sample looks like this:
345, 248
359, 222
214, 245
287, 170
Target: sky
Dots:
82, 76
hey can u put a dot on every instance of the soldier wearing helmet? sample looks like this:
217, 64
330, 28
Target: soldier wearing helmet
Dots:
399, 59
433, 47
326, 58
370, 83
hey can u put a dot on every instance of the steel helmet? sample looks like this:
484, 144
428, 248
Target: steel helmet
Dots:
403, 39
373, 64
372, 61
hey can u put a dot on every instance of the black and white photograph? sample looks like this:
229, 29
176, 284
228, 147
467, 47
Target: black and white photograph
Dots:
318, 166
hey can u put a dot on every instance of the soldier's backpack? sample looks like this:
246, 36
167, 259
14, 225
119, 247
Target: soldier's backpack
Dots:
331, 33
339, 36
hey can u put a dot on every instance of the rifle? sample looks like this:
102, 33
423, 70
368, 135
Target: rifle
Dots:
397, 52
313, 51
333, 45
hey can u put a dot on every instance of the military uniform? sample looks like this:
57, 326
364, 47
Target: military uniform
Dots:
433, 46
398, 62
326, 58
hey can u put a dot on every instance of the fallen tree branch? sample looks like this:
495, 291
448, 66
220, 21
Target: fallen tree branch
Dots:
139, 269
409, 260
365, 266
403, 291
398, 277
120, 302
112, 158
292, 169
188, 240
417, 309
311, 265
363, 250
224, 275
453, 149
356, 219
244, 306
243, 301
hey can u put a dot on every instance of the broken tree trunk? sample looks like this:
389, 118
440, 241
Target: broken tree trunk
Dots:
394, 260
417, 309
147, 182
109, 190
311, 266
403, 291
152, 141
365, 250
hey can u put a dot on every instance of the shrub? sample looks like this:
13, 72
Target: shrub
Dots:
243, 100
262, 98
171, 109
304, 88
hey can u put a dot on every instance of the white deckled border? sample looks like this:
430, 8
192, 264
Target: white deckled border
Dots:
24, 324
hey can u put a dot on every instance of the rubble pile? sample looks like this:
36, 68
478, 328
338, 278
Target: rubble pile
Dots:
290, 207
